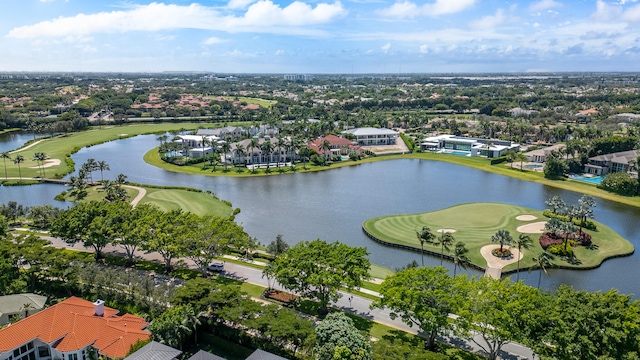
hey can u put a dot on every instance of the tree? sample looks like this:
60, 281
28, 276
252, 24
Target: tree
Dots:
317, 269
599, 325
5, 155
102, 166
503, 237
174, 326
446, 240
226, 148
40, 158
460, 257
253, 144
87, 222
277, 246
425, 236
165, 231
18, 160
543, 262
554, 166
521, 158
421, 297
337, 338
523, 242
130, 231
267, 148
90, 166
585, 209
555, 203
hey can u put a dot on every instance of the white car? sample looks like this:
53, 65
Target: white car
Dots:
217, 267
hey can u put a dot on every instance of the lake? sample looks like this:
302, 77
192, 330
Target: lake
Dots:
332, 205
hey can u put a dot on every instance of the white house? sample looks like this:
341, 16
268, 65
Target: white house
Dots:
491, 148
373, 136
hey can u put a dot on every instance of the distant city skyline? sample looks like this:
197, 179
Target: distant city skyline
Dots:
321, 36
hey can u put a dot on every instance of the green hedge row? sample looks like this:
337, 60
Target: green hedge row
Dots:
589, 225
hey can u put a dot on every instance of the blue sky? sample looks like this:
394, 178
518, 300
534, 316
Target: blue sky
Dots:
320, 36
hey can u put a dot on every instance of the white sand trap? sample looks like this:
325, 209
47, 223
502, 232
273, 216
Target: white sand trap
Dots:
446, 230
525, 217
123, 134
47, 164
533, 228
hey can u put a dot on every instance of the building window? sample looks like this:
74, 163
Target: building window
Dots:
43, 351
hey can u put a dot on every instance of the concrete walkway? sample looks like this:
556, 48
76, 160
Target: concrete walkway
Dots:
495, 264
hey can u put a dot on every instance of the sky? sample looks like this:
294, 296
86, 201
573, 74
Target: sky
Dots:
320, 36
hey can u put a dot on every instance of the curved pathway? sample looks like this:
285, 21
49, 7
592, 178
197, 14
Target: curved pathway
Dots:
495, 264
141, 193
28, 146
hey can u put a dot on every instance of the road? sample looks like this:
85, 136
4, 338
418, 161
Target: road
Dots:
358, 305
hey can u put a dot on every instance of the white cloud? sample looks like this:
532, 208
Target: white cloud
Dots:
424, 49
212, 40
385, 48
408, 9
491, 21
543, 5
239, 4
263, 16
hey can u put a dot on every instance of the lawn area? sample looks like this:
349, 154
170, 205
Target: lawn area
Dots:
474, 224
200, 203
62, 147
197, 202
262, 102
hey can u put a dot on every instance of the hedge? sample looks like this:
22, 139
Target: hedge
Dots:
588, 224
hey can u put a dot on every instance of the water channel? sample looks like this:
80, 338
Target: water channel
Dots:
332, 205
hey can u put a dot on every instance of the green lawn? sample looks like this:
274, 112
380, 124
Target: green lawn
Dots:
262, 102
200, 203
476, 223
197, 202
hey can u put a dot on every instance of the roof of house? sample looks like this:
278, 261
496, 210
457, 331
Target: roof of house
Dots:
334, 141
623, 157
263, 355
545, 151
74, 325
370, 131
155, 351
203, 355
12, 304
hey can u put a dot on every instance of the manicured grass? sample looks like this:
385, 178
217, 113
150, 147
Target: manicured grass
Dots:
95, 193
62, 146
200, 203
262, 102
9, 130
476, 223
380, 272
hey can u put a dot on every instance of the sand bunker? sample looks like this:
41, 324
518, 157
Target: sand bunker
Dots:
525, 217
497, 262
446, 230
47, 164
533, 228
123, 134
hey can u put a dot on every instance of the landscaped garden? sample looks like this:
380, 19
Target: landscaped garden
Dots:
475, 224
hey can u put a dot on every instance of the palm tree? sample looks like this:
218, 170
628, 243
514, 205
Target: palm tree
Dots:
102, 166
253, 144
326, 146
280, 144
18, 160
5, 156
267, 148
523, 242
40, 158
521, 158
503, 237
446, 240
226, 148
424, 235
205, 141
90, 167
240, 152
555, 203
542, 262
459, 257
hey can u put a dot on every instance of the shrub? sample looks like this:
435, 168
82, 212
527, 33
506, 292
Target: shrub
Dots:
558, 249
588, 224
620, 183
498, 160
549, 239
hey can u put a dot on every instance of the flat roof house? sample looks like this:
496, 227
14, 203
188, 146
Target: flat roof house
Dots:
70, 330
491, 148
18, 305
540, 155
373, 136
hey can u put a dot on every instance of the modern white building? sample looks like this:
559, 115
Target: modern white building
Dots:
373, 136
460, 145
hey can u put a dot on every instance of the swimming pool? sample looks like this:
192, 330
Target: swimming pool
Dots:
591, 180
456, 152
533, 166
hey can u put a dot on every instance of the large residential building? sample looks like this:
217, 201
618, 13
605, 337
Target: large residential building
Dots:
460, 145
243, 152
228, 133
19, 305
540, 155
615, 162
373, 136
72, 330
338, 146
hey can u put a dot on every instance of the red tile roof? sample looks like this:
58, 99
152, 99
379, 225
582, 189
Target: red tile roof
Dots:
75, 323
335, 141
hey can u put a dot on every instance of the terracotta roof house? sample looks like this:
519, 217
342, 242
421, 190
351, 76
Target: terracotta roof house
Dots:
70, 330
18, 304
339, 146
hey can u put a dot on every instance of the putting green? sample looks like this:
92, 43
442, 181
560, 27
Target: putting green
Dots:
475, 223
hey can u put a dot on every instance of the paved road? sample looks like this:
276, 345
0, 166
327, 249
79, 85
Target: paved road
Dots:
358, 305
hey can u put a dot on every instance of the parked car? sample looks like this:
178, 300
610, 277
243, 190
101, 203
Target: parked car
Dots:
216, 267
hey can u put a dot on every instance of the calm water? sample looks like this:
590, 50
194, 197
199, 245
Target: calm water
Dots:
332, 205
13, 140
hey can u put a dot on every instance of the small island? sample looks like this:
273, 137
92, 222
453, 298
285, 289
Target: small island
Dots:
484, 227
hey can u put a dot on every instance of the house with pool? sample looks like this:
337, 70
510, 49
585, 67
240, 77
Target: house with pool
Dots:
465, 146
624, 161
373, 136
